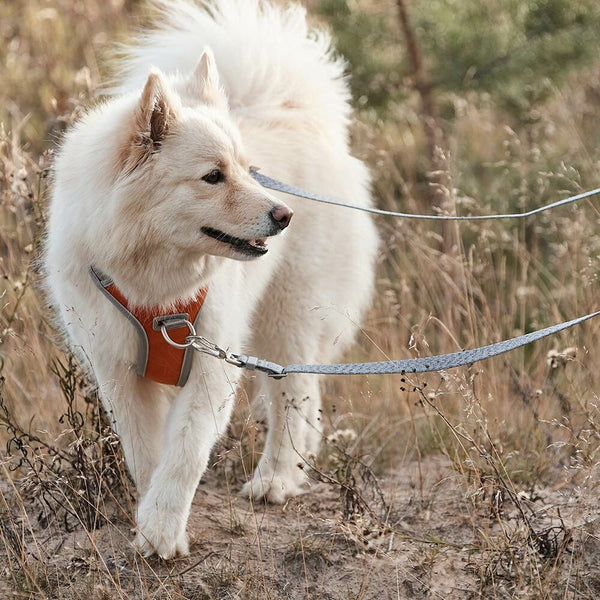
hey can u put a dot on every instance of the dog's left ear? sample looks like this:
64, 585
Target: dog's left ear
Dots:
204, 83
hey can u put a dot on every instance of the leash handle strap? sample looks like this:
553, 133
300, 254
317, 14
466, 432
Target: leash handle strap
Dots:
416, 365
279, 186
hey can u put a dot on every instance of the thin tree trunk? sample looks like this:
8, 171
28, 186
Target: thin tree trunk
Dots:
433, 131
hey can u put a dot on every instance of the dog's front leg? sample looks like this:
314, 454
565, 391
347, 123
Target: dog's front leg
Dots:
200, 413
137, 410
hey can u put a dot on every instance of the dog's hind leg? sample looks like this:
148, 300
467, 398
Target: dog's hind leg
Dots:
137, 409
294, 432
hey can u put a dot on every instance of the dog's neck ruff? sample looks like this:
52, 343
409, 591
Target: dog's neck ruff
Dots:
157, 360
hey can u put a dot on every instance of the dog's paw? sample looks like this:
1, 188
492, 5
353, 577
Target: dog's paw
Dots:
160, 532
274, 488
162, 543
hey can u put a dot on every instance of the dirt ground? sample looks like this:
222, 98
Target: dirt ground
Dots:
434, 539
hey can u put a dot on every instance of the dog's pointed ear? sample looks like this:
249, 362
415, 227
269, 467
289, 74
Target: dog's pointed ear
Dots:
156, 110
154, 115
204, 83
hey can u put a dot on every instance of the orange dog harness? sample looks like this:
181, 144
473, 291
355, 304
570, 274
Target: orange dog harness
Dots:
157, 360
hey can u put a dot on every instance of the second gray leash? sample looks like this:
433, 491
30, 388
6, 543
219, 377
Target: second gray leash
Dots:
415, 365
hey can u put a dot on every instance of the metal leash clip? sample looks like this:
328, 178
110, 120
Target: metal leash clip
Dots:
198, 342
201, 344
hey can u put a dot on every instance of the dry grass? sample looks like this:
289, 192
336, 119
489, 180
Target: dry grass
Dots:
477, 483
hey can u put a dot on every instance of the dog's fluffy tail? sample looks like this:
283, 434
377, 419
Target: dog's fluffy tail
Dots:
268, 58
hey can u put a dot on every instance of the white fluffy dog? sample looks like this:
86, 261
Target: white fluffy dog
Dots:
152, 190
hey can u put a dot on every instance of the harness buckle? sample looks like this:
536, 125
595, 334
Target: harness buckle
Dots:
170, 321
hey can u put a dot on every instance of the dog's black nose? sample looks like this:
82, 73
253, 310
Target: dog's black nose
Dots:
282, 216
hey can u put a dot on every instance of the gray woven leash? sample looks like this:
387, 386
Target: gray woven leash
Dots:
274, 184
415, 365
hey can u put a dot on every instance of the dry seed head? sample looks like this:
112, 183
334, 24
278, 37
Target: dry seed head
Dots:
556, 358
342, 436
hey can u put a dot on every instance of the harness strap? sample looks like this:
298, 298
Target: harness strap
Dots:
157, 360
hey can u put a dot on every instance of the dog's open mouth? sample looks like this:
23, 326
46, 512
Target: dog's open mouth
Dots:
255, 247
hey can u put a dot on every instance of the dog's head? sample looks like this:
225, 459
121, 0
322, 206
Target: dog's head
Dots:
182, 171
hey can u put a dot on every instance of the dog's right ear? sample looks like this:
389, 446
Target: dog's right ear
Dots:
154, 115
155, 110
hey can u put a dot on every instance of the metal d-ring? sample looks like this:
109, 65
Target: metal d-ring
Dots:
172, 342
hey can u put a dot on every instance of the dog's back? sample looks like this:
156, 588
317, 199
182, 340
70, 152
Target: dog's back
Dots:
269, 61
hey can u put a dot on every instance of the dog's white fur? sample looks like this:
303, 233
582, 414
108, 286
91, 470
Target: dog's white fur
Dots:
128, 198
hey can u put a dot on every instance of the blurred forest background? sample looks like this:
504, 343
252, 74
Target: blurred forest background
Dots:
462, 106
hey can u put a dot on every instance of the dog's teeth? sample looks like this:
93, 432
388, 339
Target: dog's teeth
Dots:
260, 243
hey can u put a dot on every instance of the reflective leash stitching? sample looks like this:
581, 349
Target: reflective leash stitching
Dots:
441, 362
274, 184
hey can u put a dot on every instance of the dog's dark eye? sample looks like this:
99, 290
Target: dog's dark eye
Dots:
214, 177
